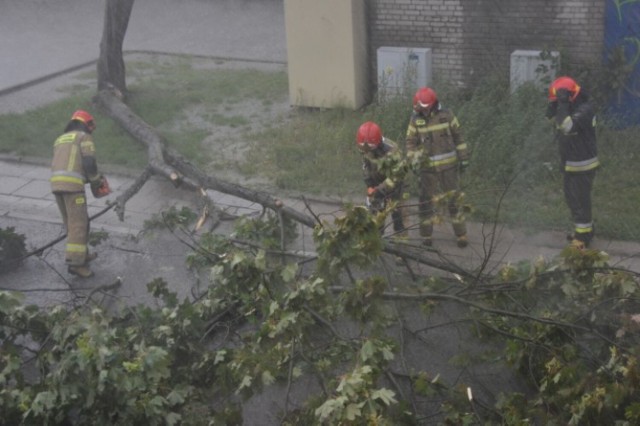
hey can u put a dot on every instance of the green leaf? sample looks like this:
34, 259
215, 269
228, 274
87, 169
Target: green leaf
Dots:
9, 300
274, 306
157, 401
173, 419
289, 272
220, 356
131, 367
352, 411
327, 409
267, 378
11, 364
238, 258
43, 402
297, 372
569, 289
367, 351
261, 260
632, 412
246, 383
384, 395
175, 397
387, 354
103, 377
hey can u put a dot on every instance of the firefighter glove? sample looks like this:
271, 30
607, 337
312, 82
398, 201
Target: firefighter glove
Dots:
95, 183
381, 193
562, 113
374, 193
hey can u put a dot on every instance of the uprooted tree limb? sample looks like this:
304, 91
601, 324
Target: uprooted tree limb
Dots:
171, 165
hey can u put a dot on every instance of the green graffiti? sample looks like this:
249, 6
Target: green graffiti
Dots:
620, 68
620, 4
634, 41
634, 89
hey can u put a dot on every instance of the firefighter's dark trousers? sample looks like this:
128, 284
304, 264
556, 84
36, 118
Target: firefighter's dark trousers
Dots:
433, 183
398, 214
577, 193
73, 208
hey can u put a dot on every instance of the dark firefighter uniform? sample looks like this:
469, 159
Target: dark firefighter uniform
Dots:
435, 147
73, 165
383, 170
575, 123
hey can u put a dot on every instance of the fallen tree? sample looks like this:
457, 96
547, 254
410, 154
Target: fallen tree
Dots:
341, 341
172, 166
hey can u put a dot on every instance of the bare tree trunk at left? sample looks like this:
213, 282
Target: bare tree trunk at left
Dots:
111, 70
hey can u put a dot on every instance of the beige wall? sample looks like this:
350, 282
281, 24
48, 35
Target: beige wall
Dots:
327, 53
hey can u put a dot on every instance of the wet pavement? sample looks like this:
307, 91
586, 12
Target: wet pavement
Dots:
43, 43
43, 47
248, 30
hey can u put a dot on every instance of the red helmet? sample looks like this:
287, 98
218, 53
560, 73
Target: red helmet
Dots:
424, 99
566, 83
369, 134
84, 117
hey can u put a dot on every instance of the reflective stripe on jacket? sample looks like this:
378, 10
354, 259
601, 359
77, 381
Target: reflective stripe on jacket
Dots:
581, 166
437, 139
67, 167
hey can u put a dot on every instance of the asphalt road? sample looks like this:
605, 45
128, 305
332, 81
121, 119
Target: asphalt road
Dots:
41, 37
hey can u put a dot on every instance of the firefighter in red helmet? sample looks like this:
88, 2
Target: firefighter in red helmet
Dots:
437, 152
384, 171
73, 165
574, 120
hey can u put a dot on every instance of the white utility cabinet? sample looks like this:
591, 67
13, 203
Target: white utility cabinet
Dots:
403, 69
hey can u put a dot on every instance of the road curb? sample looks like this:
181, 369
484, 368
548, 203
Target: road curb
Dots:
69, 70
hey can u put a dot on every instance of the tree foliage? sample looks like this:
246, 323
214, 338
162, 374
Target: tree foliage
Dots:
325, 337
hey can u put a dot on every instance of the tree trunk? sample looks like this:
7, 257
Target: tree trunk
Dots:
167, 163
111, 70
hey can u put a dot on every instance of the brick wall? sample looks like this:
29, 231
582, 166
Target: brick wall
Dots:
471, 38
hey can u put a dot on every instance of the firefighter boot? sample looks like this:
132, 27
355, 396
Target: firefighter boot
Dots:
91, 256
82, 271
460, 229
426, 230
577, 244
462, 241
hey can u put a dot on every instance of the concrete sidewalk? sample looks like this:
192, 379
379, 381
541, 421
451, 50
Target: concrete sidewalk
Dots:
25, 194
